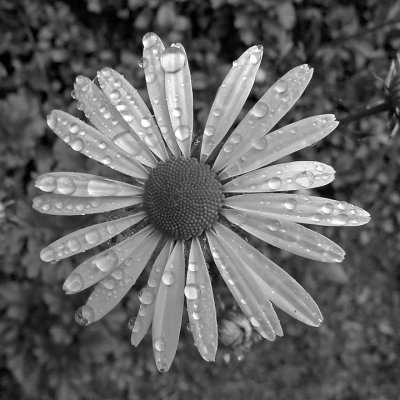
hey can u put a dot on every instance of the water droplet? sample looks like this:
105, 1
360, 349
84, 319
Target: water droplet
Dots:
182, 132
145, 122
146, 295
281, 86
305, 179
108, 283
106, 160
150, 77
74, 245
260, 109
274, 183
215, 254
93, 236
77, 145
162, 366
150, 39
260, 143
256, 56
173, 59
106, 262
327, 208
274, 225
159, 344
143, 63
115, 94
254, 322
168, 278
176, 112
65, 185
193, 267
131, 323
47, 255
340, 219
217, 112
317, 217
228, 148
74, 128
196, 316
192, 291
291, 203
209, 130
84, 315
46, 183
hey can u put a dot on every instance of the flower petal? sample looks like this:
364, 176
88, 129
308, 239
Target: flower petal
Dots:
200, 303
279, 286
87, 238
155, 79
287, 235
148, 293
168, 310
111, 290
230, 98
58, 204
275, 103
93, 144
102, 264
295, 175
281, 143
126, 99
178, 88
104, 116
300, 208
77, 184
230, 265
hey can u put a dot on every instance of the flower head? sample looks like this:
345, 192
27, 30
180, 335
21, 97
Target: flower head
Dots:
178, 200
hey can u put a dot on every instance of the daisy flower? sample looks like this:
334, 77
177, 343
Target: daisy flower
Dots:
183, 200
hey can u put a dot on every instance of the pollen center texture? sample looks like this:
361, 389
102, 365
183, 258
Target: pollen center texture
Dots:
182, 197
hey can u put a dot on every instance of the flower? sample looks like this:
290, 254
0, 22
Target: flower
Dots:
178, 199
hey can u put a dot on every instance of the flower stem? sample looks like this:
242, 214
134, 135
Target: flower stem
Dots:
365, 112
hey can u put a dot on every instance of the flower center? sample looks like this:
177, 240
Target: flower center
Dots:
182, 197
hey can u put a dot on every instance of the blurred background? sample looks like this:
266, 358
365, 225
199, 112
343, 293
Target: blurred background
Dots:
44, 44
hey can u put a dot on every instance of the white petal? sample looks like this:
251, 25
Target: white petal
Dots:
87, 238
200, 303
93, 144
300, 208
230, 98
104, 116
279, 287
283, 177
168, 310
178, 88
148, 294
112, 289
57, 204
84, 185
133, 109
155, 79
287, 235
230, 265
281, 143
102, 264
275, 103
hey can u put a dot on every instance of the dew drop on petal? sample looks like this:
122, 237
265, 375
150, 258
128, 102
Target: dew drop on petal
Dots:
159, 344
150, 39
291, 204
340, 219
46, 183
143, 63
168, 278
65, 185
260, 109
84, 315
77, 145
150, 77
176, 112
193, 267
254, 322
146, 295
209, 130
145, 122
274, 225
106, 160
173, 59
182, 132
274, 183
192, 291
327, 208
93, 236
47, 255
109, 283
106, 262
131, 323
281, 86
196, 316
305, 179
73, 245
317, 217
74, 283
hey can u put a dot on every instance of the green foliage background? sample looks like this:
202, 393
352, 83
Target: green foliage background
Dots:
44, 44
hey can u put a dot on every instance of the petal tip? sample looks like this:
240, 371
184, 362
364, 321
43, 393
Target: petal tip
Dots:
150, 39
